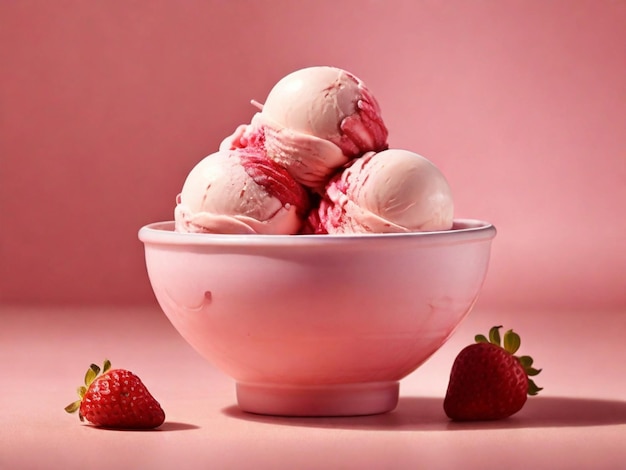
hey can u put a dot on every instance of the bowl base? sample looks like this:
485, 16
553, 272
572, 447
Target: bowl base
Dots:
318, 400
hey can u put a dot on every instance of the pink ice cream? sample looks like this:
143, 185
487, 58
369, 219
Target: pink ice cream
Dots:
240, 191
389, 191
314, 159
314, 121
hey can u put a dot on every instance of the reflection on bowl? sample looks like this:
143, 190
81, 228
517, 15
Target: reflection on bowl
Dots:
317, 325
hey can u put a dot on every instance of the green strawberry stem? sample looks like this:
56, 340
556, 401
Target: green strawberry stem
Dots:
481, 339
532, 388
494, 335
512, 342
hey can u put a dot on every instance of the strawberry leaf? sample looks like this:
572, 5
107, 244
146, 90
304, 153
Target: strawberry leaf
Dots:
531, 371
91, 374
494, 335
532, 388
73, 407
81, 391
481, 339
106, 366
512, 341
526, 361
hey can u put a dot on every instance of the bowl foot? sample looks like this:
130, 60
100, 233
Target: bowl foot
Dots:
318, 400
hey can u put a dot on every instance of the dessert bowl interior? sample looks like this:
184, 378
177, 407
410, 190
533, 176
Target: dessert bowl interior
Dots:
317, 324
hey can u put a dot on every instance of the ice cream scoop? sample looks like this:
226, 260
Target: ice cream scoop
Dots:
331, 104
390, 191
240, 191
310, 160
314, 121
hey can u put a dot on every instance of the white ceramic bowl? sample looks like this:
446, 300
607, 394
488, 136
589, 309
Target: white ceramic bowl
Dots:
317, 325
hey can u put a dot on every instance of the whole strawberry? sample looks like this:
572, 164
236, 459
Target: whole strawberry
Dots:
488, 381
116, 399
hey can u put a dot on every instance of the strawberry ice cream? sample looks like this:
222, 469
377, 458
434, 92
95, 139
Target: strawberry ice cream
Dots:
237, 192
314, 159
389, 191
314, 121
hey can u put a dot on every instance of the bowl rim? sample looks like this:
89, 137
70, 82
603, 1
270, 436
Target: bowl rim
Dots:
163, 233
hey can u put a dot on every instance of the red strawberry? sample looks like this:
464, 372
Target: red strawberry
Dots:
116, 399
487, 381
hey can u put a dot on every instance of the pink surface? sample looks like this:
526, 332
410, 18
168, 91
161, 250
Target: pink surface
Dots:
577, 422
105, 107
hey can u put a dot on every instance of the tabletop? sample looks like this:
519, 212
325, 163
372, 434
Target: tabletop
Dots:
577, 421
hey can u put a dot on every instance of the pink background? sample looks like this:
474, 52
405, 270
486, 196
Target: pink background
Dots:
105, 106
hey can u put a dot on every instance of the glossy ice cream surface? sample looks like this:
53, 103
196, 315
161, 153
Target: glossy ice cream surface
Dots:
314, 121
331, 104
239, 191
390, 191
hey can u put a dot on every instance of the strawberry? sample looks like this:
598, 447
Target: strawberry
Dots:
488, 381
116, 399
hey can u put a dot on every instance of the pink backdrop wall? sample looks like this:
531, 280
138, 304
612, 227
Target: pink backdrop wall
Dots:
105, 106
